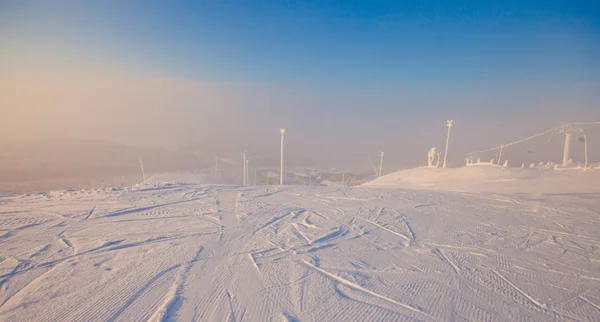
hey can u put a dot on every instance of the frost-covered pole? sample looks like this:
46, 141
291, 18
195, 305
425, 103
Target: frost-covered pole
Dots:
500, 156
142, 167
567, 149
244, 167
449, 124
247, 172
282, 131
380, 162
586, 150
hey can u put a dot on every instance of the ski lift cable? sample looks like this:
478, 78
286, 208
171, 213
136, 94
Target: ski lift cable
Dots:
502, 146
532, 137
586, 123
519, 141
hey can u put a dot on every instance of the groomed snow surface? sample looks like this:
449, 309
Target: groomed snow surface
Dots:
186, 252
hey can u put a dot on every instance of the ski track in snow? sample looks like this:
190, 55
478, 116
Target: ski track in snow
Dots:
215, 253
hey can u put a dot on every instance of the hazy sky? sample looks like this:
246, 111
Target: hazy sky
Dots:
356, 76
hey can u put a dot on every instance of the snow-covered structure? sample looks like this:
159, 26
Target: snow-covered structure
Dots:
431, 157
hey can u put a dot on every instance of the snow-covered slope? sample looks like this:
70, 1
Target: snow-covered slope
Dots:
493, 179
213, 253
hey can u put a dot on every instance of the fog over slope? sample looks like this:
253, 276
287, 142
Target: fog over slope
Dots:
183, 124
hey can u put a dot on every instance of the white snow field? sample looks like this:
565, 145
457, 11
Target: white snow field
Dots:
189, 252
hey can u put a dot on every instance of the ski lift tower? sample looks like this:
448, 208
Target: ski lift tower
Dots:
568, 130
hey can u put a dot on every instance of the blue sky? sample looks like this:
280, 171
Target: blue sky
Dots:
322, 42
315, 63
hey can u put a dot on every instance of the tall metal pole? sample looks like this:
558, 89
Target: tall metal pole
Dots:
282, 131
449, 124
244, 168
586, 150
567, 149
247, 172
380, 162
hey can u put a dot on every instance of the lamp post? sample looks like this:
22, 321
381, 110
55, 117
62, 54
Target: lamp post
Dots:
449, 124
282, 131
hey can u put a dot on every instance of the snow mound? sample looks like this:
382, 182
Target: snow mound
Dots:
492, 178
433, 176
